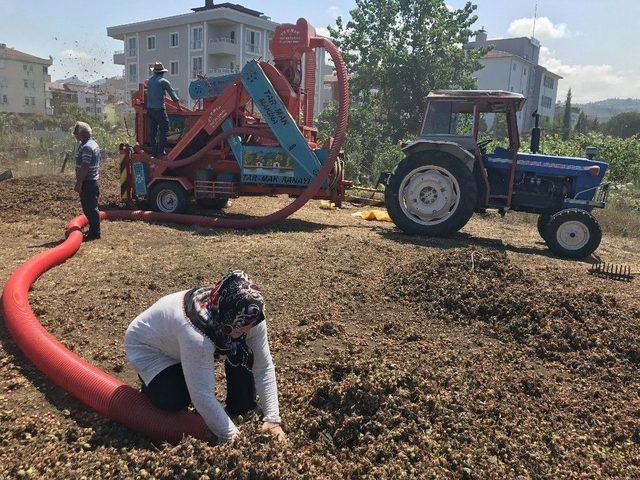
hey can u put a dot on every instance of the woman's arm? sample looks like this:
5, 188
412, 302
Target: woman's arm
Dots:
264, 373
196, 355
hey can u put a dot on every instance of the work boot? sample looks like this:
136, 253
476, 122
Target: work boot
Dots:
88, 237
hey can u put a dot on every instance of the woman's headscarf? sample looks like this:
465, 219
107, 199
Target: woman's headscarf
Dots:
232, 302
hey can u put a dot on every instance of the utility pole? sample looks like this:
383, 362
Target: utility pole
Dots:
95, 101
535, 18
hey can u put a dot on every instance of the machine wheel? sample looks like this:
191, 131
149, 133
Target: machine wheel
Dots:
213, 203
543, 221
573, 233
431, 193
169, 197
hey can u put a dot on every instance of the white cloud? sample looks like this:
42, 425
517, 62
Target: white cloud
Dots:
75, 54
323, 31
545, 28
590, 82
334, 12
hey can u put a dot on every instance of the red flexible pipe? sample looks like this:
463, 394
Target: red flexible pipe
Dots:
102, 392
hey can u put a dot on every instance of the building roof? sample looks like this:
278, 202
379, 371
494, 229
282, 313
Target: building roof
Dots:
224, 11
209, 5
13, 54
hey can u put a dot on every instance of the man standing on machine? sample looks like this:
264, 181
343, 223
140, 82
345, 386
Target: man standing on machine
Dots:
157, 85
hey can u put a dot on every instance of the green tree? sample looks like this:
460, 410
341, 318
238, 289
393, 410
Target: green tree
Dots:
582, 125
399, 50
623, 125
367, 152
566, 118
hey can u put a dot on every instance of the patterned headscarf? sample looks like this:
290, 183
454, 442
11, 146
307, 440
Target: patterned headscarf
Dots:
232, 302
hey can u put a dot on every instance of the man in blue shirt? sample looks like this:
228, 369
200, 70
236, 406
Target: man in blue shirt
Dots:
157, 85
88, 159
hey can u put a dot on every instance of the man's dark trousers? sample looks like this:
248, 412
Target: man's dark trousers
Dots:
159, 125
89, 200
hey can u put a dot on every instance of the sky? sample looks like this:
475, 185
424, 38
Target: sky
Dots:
591, 43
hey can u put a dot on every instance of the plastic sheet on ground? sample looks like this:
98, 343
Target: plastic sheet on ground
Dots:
374, 215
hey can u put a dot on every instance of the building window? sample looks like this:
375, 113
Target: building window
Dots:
33, 101
133, 73
253, 41
196, 38
24, 67
548, 82
174, 40
196, 67
132, 46
88, 109
1, 62
26, 100
32, 84
45, 70
26, 83
546, 102
151, 42
524, 70
173, 68
5, 100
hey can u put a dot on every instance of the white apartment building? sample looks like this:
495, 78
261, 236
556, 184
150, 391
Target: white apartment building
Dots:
216, 39
23, 82
512, 65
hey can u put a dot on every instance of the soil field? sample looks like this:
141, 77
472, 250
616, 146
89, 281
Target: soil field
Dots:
477, 356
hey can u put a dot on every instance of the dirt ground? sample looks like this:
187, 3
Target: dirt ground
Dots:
477, 356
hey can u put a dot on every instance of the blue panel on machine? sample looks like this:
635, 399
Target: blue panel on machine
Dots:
274, 166
210, 87
140, 178
282, 124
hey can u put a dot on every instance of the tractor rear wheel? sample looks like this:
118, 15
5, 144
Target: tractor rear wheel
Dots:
169, 197
543, 221
573, 233
431, 193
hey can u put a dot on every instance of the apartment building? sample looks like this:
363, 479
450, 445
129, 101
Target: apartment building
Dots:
73, 91
23, 82
513, 65
216, 39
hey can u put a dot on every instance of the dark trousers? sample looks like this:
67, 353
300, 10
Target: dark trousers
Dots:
159, 126
168, 390
89, 201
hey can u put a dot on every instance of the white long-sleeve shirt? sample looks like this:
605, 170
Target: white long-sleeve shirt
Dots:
162, 336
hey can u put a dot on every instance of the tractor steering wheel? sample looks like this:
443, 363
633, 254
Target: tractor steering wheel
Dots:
483, 145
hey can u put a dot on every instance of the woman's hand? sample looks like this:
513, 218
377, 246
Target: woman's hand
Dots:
275, 430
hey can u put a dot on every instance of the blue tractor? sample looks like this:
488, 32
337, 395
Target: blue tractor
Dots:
448, 174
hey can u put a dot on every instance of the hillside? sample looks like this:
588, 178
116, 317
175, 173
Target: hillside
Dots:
605, 109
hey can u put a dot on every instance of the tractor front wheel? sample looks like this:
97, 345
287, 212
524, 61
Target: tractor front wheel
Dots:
169, 197
431, 193
573, 233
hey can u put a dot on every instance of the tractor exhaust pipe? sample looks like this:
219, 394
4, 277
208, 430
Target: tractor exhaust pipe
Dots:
536, 133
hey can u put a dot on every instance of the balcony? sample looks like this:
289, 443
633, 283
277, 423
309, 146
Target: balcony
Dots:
118, 57
219, 71
223, 45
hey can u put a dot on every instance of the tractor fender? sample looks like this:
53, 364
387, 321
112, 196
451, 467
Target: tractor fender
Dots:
184, 182
449, 147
